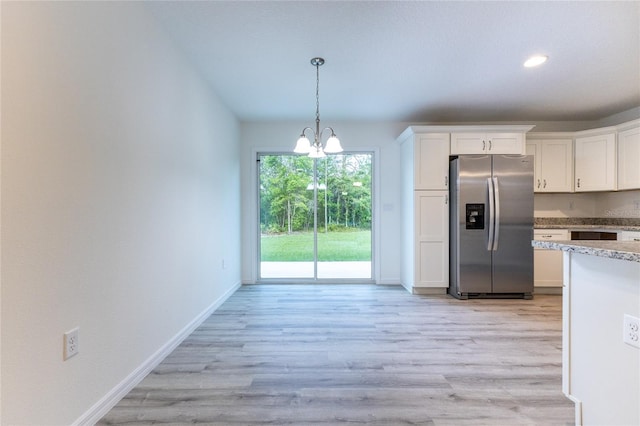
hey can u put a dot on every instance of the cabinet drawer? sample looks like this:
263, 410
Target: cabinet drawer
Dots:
629, 236
551, 234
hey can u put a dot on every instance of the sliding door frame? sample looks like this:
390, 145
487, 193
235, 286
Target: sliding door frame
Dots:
374, 225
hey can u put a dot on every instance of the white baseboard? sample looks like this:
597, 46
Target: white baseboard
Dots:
578, 409
107, 402
429, 291
389, 282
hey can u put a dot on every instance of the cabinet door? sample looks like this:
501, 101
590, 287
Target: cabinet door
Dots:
468, 143
556, 166
629, 159
547, 264
505, 143
547, 268
595, 163
533, 148
487, 143
431, 161
432, 239
629, 236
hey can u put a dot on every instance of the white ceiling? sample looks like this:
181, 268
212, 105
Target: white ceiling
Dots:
413, 60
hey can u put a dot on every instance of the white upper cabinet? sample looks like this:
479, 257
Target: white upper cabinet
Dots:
629, 159
431, 161
487, 143
553, 163
595, 163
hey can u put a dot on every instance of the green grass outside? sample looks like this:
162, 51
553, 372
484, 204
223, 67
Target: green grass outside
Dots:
334, 246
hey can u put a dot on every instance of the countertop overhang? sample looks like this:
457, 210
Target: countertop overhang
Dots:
621, 250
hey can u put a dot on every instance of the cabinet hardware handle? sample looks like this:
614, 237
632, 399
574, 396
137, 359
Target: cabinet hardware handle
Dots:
545, 183
446, 180
538, 183
578, 182
484, 145
489, 144
446, 199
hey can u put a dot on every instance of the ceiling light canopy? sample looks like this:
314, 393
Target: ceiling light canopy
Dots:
535, 61
316, 150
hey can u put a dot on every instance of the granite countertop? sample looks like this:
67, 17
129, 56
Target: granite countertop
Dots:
605, 224
622, 250
590, 227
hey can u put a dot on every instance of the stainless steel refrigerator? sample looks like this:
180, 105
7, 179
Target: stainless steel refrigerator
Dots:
491, 226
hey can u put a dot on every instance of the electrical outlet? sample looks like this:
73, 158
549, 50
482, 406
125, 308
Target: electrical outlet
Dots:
631, 331
71, 346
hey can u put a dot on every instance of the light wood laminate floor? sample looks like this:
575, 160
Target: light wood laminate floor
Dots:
361, 354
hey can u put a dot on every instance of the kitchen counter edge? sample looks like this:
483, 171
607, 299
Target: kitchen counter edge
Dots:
611, 228
621, 250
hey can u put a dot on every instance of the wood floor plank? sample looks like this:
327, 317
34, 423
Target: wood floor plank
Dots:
335, 354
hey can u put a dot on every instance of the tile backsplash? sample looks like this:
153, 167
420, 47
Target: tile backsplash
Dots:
607, 205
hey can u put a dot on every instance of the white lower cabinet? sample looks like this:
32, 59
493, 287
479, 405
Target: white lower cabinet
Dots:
431, 239
547, 264
629, 236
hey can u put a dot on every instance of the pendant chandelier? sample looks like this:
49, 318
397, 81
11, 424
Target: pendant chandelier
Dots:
316, 150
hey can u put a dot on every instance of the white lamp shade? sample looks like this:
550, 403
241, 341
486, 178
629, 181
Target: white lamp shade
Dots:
303, 146
316, 152
333, 145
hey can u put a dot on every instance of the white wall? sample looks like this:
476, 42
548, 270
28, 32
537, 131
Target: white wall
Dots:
120, 198
265, 137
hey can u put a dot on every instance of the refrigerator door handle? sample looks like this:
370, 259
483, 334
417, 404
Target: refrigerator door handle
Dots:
491, 214
496, 235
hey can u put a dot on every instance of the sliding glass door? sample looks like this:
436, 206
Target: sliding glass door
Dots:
315, 217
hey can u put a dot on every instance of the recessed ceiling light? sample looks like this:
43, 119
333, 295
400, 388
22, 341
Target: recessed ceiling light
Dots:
536, 60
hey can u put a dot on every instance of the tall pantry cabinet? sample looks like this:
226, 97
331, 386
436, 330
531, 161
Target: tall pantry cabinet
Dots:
425, 214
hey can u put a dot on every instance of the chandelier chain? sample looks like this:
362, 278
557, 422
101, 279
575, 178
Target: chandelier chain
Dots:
318, 92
